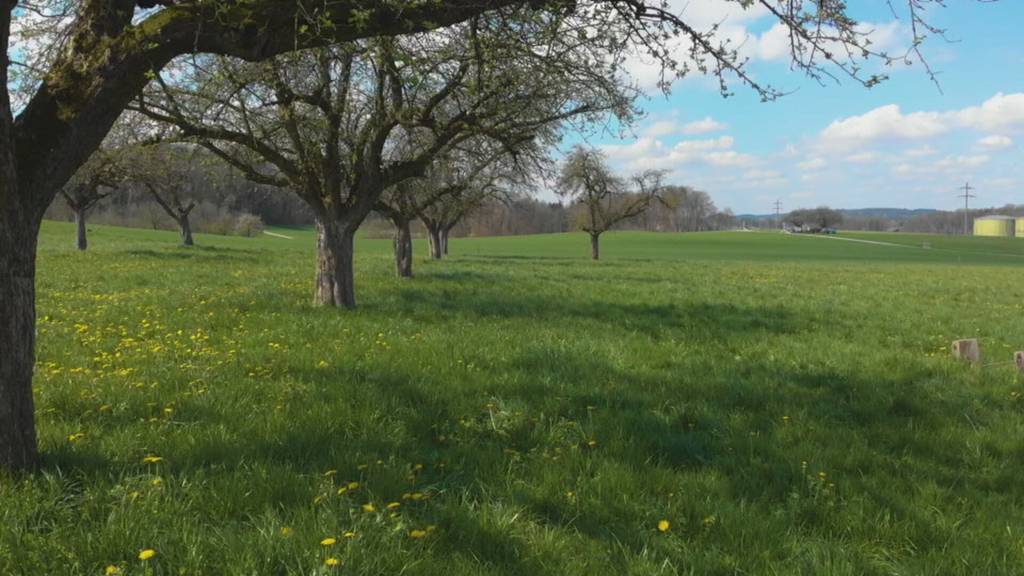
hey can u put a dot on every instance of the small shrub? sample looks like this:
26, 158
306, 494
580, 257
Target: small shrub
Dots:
248, 225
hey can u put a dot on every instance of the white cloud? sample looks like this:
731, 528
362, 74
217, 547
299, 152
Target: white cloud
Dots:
1002, 113
862, 157
996, 141
647, 153
921, 152
729, 158
962, 161
662, 128
704, 126
882, 123
671, 127
774, 44
812, 164
904, 168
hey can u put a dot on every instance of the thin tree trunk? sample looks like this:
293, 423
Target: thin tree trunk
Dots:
444, 241
436, 250
335, 243
18, 237
403, 249
186, 230
595, 247
82, 242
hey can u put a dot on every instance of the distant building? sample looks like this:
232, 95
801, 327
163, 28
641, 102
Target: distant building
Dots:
1000, 226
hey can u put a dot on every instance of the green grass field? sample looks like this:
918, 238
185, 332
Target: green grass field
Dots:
786, 403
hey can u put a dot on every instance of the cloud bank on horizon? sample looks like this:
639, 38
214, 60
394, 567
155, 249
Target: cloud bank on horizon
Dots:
905, 143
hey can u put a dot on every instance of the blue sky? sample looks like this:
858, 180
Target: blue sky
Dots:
903, 143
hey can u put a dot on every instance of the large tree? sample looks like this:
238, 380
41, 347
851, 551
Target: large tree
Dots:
90, 58
339, 126
601, 198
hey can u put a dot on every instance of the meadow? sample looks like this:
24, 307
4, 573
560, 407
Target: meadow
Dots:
714, 403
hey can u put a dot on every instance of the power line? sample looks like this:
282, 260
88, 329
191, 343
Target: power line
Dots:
778, 210
967, 198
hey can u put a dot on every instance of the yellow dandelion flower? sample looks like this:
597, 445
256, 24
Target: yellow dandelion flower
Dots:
332, 561
286, 531
663, 525
353, 486
369, 507
349, 534
393, 505
329, 541
111, 570
417, 534
147, 554
151, 459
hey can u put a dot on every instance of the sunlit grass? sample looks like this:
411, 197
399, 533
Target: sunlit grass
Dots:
785, 405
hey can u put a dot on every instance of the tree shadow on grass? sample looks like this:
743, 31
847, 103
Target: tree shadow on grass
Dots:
729, 423
696, 319
208, 253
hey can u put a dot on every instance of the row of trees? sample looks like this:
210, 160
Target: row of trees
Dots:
336, 101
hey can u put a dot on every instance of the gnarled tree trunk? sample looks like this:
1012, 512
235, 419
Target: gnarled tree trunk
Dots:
403, 249
81, 241
335, 244
186, 230
434, 235
444, 240
595, 246
18, 234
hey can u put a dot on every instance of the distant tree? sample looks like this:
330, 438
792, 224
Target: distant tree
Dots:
248, 225
454, 184
472, 177
95, 180
815, 218
603, 198
174, 177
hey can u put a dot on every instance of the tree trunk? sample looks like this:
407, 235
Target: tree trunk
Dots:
403, 249
444, 241
436, 250
82, 241
186, 230
595, 247
18, 237
335, 243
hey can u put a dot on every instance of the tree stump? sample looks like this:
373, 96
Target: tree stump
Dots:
1019, 359
967, 350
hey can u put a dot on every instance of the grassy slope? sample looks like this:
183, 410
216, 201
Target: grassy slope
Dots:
785, 402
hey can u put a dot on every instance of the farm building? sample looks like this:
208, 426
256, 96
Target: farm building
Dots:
1020, 227
1004, 226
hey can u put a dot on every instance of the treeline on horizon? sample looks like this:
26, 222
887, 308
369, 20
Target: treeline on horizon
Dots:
227, 203
950, 222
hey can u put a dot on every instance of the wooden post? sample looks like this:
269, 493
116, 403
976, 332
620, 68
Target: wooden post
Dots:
1019, 359
967, 350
